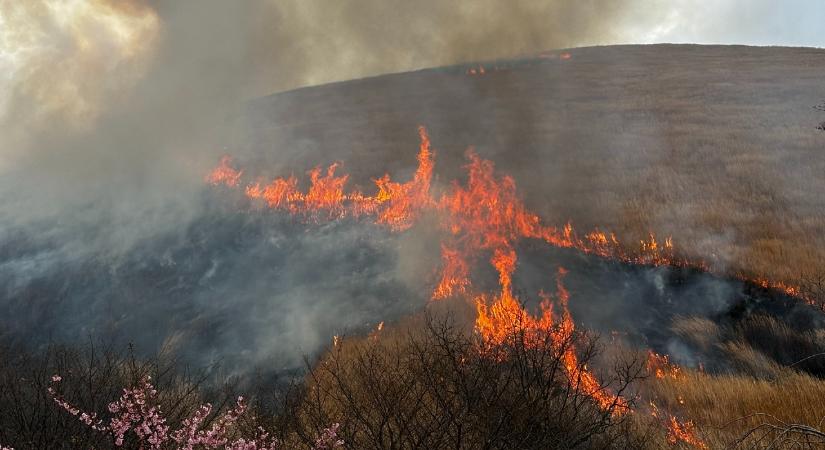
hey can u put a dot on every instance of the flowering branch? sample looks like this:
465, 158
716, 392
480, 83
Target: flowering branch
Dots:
137, 410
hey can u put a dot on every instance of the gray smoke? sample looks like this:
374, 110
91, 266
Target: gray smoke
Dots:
112, 112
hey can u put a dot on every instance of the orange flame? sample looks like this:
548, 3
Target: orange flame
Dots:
224, 173
455, 274
678, 431
403, 201
396, 205
661, 367
504, 316
378, 329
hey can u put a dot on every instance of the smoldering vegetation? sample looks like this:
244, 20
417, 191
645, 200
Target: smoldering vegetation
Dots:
655, 307
241, 288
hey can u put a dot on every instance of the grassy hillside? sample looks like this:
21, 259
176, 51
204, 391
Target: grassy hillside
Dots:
717, 146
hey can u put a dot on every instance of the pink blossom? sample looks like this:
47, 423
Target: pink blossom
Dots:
329, 438
137, 410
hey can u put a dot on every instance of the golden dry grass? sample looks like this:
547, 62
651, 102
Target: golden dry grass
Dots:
714, 403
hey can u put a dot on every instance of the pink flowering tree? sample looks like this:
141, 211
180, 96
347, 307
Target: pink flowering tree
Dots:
137, 412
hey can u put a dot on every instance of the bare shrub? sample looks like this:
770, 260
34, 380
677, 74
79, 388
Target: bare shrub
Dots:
443, 388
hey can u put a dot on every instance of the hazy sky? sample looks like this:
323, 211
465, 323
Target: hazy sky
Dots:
750, 22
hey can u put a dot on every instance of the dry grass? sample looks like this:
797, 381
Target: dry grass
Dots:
714, 402
752, 381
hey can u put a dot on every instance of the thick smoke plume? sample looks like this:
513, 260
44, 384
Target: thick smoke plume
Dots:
111, 112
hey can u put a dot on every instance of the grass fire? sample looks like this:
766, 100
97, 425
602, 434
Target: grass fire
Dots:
385, 225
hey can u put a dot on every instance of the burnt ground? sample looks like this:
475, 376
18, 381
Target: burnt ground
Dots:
256, 290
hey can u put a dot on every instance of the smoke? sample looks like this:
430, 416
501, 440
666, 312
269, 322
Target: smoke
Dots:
112, 111
137, 98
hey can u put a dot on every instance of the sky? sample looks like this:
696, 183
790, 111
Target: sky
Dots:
747, 22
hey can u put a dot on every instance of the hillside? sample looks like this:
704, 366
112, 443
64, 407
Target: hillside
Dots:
716, 146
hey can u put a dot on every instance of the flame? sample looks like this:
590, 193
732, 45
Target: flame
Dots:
224, 173
678, 431
378, 329
402, 202
503, 318
661, 367
479, 70
396, 205
455, 274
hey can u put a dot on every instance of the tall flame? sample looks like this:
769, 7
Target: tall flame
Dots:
503, 317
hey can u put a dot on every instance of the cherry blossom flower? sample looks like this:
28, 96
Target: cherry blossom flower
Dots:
138, 410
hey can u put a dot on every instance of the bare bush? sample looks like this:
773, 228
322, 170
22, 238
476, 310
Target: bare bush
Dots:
442, 388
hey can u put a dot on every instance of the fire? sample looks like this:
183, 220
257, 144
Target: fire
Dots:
396, 205
455, 274
484, 215
678, 431
224, 173
404, 201
483, 218
479, 70
661, 367
378, 329
504, 317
